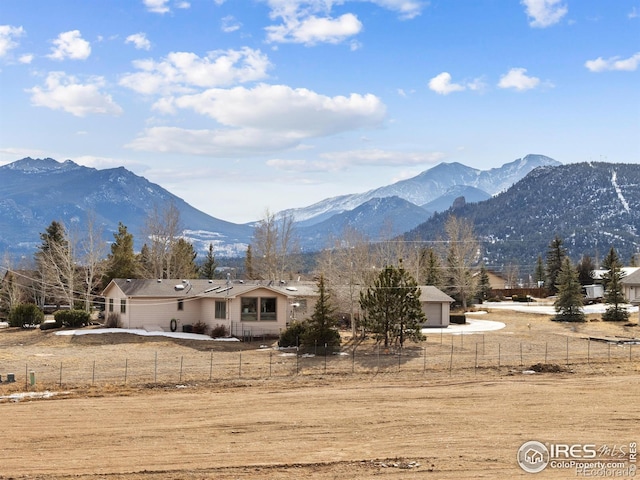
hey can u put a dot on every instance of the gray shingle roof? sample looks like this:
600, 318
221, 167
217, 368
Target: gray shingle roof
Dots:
177, 288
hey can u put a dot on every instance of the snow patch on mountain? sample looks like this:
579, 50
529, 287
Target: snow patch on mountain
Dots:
614, 181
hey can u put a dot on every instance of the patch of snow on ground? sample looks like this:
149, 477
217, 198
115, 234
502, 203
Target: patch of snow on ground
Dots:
548, 309
16, 397
144, 333
472, 326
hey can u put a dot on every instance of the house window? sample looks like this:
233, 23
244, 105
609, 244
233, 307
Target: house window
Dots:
221, 310
268, 309
251, 312
180, 305
249, 309
123, 305
111, 304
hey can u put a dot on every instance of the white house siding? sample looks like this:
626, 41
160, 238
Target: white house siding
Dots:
437, 314
160, 311
258, 328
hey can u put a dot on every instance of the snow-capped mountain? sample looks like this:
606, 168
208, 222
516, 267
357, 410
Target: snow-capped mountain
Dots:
427, 187
591, 206
35, 192
376, 218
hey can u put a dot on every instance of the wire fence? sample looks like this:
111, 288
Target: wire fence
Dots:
452, 354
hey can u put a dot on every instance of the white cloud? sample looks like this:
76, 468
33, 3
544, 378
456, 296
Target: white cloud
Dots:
378, 158
341, 161
215, 143
633, 13
614, 63
70, 45
26, 58
63, 92
8, 34
230, 24
139, 40
263, 119
156, 6
517, 79
442, 84
183, 5
311, 21
407, 9
299, 112
181, 71
544, 13
312, 30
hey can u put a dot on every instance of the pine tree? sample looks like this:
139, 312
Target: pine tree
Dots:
586, 268
569, 303
555, 259
183, 259
321, 328
433, 269
122, 262
613, 289
248, 264
484, 286
539, 274
208, 267
392, 309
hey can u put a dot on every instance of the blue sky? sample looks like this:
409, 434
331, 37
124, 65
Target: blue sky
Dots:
243, 106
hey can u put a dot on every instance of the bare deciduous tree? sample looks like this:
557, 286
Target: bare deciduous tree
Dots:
93, 248
162, 230
462, 254
274, 244
346, 267
56, 264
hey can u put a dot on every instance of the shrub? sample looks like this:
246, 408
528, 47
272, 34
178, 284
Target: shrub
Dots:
72, 318
199, 327
219, 331
50, 324
613, 314
25, 315
113, 320
291, 336
522, 298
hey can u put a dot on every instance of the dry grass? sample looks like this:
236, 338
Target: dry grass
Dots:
380, 415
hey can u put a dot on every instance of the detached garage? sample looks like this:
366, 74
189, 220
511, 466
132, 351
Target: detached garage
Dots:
436, 305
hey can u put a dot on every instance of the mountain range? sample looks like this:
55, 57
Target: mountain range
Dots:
34, 192
591, 206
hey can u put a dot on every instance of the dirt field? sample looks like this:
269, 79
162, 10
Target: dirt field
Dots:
391, 422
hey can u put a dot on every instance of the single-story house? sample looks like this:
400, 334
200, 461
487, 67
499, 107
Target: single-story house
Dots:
245, 309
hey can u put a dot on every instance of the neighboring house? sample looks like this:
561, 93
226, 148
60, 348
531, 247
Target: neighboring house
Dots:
631, 288
245, 309
496, 280
626, 272
436, 306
